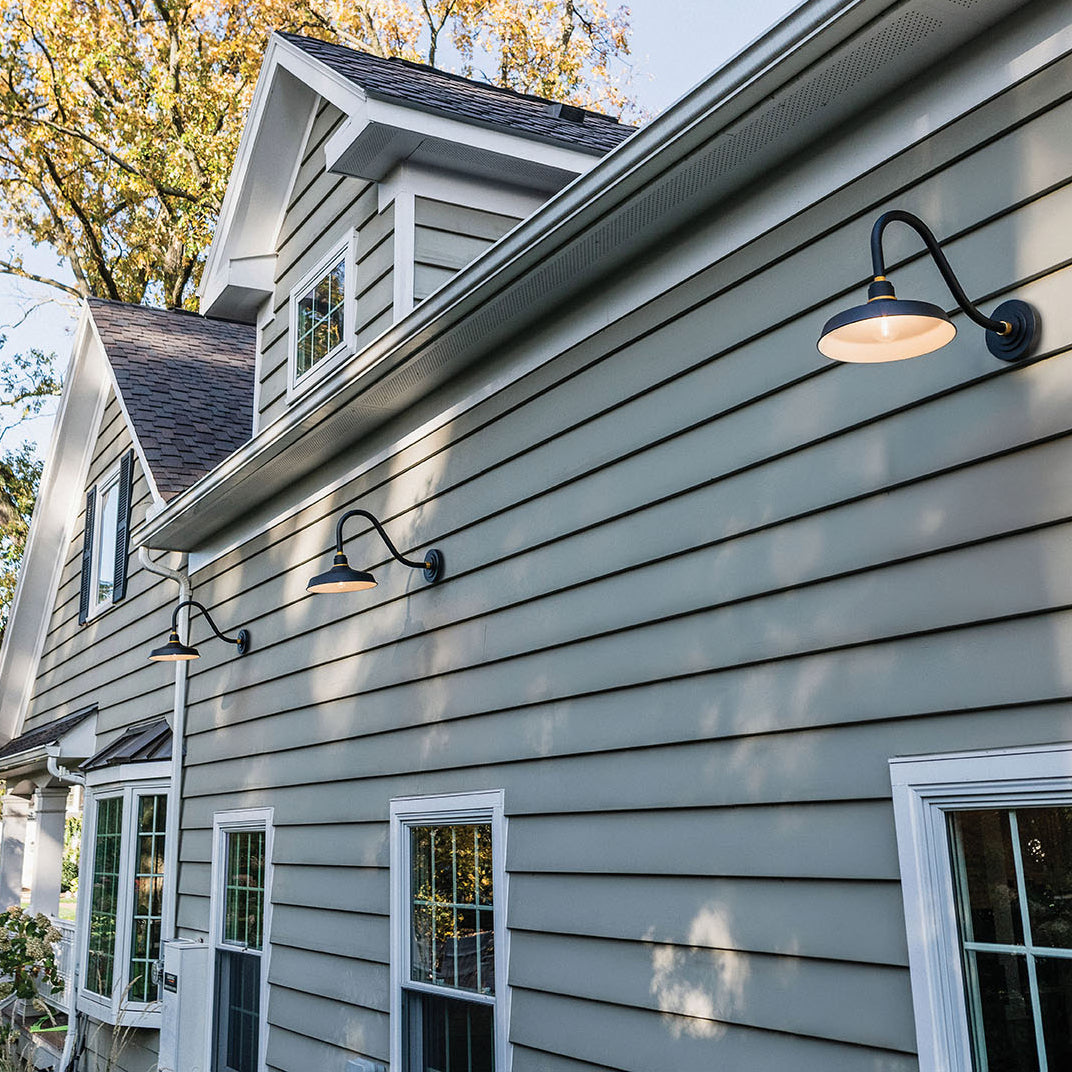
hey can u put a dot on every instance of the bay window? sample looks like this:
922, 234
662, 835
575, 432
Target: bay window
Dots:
124, 904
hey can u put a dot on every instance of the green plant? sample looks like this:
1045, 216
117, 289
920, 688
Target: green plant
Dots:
27, 957
72, 847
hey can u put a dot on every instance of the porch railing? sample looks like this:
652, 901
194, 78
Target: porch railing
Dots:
64, 962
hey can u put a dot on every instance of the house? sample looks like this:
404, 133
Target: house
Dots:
729, 724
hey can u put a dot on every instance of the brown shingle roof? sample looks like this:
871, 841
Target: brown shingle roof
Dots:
431, 90
187, 383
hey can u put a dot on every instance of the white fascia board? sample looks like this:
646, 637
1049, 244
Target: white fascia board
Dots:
271, 143
409, 122
70, 452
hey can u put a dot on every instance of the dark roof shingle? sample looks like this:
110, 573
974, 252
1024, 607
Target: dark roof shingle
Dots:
43, 735
187, 383
431, 90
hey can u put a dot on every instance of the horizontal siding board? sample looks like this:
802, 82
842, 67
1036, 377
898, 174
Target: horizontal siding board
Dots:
444, 216
640, 1041
342, 889
863, 1005
446, 249
332, 976
331, 1022
357, 935
832, 920
292, 1051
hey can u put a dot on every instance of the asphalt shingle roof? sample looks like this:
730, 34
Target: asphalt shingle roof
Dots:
46, 734
424, 87
187, 383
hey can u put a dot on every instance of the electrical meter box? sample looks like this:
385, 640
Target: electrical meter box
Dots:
184, 986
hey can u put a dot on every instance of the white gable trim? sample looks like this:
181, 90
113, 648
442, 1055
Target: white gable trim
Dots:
242, 254
70, 452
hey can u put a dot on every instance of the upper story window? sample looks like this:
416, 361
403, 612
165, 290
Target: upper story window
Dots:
319, 317
105, 544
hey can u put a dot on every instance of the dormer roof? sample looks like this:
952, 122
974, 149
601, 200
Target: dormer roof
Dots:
428, 89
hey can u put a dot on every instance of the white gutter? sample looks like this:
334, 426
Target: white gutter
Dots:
178, 736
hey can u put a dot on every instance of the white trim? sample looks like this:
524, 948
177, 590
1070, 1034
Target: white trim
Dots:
479, 806
925, 788
116, 1009
345, 248
223, 823
60, 497
405, 253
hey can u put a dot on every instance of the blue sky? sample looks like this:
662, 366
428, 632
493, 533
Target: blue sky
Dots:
675, 45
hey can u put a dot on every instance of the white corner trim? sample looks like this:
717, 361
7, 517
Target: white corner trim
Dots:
478, 806
70, 452
404, 234
925, 788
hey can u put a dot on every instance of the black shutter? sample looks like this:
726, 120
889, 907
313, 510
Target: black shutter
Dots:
122, 525
87, 555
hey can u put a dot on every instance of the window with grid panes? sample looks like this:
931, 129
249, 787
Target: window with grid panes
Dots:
318, 315
448, 1016
104, 896
126, 901
238, 952
1012, 871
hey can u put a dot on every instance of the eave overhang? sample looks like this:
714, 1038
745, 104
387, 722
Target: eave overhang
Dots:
826, 63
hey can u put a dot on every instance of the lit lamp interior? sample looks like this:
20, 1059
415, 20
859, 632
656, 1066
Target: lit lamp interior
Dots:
174, 651
886, 329
341, 578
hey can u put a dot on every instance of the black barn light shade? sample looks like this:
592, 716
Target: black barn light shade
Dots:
342, 577
889, 328
175, 651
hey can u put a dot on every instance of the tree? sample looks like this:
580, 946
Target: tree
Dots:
119, 119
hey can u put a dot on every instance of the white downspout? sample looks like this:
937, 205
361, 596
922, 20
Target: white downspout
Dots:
178, 736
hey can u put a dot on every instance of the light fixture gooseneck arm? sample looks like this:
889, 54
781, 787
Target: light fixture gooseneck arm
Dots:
423, 565
208, 618
1001, 327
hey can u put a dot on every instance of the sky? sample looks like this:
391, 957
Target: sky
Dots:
674, 45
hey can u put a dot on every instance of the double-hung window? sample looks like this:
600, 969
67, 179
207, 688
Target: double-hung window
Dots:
985, 842
240, 913
124, 883
448, 960
320, 318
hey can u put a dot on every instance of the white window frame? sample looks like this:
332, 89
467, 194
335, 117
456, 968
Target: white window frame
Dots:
223, 823
484, 806
925, 789
344, 249
117, 1009
96, 604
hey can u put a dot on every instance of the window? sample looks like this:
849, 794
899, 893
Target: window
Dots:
319, 319
985, 842
241, 909
448, 935
105, 543
126, 829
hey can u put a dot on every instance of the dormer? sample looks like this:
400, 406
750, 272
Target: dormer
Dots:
361, 186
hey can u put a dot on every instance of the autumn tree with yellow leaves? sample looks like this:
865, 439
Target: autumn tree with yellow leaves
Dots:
119, 119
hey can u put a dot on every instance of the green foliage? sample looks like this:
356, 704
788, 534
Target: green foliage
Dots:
72, 846
27, 957
20, 474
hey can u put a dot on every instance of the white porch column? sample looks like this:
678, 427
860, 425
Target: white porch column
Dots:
48, 858
12, 848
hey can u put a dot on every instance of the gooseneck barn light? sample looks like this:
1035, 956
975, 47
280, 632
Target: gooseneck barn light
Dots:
175, 651
342, 578
888, 328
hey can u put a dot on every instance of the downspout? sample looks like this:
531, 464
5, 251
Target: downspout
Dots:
178, 736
